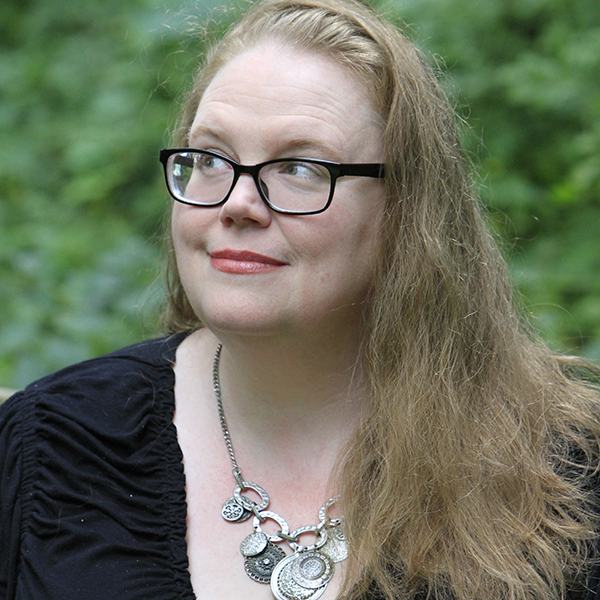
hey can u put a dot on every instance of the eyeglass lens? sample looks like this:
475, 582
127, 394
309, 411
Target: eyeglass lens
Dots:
289, 185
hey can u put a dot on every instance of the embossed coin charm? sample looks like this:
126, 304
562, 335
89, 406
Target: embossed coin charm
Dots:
284, 587
234, 512
312, 569
289, 588
336, 546
260, 567
254, 544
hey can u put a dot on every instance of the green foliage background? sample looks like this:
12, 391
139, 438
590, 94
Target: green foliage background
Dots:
88, 90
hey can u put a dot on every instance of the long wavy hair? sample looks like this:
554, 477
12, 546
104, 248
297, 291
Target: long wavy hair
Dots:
470, 476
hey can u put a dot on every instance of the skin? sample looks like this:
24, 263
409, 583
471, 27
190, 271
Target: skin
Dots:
284, 294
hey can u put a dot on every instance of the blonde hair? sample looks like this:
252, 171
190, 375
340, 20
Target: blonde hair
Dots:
469, 478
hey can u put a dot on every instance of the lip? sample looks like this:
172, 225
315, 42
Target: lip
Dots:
243, 262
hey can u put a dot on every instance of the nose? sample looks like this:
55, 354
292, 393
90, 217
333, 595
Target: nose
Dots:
244, 206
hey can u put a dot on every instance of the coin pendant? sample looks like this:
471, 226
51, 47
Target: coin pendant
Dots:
336, 546
289, 588
312, 569
234, 512
254, 544
284, 587
260, 567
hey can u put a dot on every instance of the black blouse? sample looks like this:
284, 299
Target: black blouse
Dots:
92, 488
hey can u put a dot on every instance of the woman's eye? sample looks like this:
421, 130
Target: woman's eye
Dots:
203, 161
295, 169
306, 170
208, 162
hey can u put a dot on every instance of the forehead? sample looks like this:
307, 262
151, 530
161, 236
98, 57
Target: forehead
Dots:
283, 90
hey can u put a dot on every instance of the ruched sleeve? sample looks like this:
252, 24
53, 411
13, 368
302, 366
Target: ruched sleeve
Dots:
93, 489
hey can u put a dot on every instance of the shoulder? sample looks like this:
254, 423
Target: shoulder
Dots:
106, 391
103, 415
139, 360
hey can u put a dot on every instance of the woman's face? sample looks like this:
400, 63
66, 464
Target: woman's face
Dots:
247, 269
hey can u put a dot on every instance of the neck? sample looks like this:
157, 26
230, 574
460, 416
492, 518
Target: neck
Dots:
288, 377
299, 402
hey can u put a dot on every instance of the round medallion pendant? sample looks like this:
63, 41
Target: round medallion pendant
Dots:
261, 566
312, 569
284, 587
336, 546
290, 589
254, 544
233, 512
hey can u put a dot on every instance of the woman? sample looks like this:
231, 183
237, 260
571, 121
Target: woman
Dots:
359, 411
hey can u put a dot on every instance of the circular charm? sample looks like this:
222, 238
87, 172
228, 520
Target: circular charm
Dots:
254, 544
289, 588
312, 569
260, 567
234, 512
284, 587
336, 547
246, 502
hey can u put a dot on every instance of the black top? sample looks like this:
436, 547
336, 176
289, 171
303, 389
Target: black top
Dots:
92, 489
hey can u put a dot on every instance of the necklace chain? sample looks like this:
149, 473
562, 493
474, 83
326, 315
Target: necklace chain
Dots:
224, 428
303, 575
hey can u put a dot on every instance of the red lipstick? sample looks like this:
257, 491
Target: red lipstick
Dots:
243, 262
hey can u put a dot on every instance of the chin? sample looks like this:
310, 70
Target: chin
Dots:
241, 321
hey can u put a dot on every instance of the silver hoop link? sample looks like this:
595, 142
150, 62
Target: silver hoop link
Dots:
246, 502
267, 514
324, 520
319, 543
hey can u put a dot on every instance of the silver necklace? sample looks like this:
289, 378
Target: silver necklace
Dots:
302, 575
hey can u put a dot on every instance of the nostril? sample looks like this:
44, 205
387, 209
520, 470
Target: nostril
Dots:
246, 203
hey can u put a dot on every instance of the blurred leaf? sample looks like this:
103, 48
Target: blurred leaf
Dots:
89, 89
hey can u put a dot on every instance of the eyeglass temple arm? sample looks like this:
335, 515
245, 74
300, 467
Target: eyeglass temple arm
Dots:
364, 170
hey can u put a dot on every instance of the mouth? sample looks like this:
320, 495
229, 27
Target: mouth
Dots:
243, 262
245, 256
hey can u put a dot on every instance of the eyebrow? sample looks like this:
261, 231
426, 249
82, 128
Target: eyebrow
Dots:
290, 146
202, 131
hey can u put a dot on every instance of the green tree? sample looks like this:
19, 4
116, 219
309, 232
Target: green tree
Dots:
528, 75
88, 90
86, 93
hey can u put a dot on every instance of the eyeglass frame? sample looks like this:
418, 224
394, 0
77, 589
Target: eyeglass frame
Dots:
335, 169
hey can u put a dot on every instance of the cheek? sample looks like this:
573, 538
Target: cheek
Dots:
178, 225
361, 256
188, 230
343, 251
356, 233
188, 226
361, 245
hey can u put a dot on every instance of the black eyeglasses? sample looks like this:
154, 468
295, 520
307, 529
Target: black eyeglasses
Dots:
294, 186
